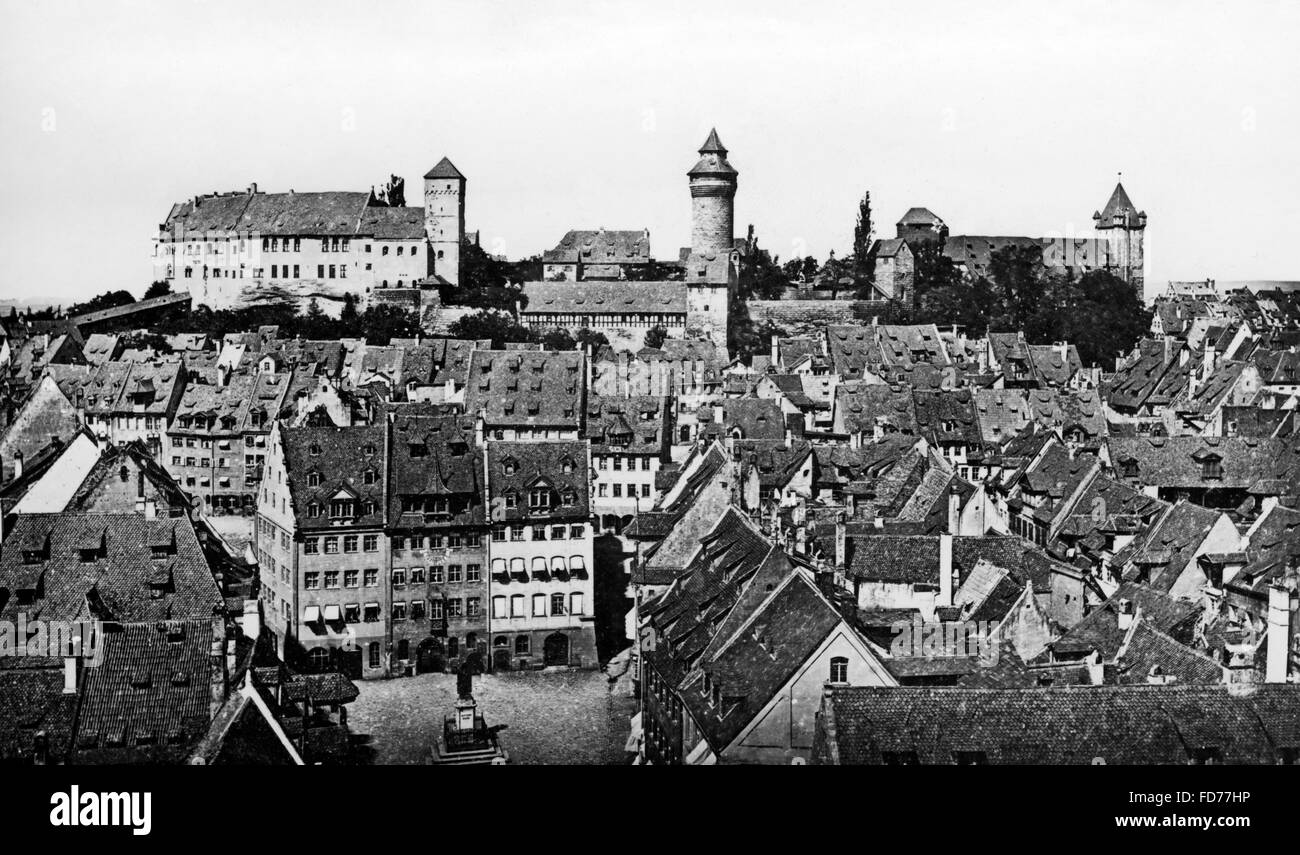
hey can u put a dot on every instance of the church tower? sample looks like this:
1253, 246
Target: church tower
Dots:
713, 195
1122, 226
444, 219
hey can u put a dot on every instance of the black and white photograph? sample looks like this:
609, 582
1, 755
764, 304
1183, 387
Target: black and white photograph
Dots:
575, 384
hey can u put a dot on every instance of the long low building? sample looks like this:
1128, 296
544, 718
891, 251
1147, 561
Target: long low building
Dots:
623, 311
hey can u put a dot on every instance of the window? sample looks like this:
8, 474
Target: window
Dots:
839, 670
399, 611
417, 575
350, 543
1212, 469
539, 605
351, 578
370, 577
456, 608
539, 498
310, 546
399, 576
352, 613
331, 578
436, 610
517, 605
373, 649
453, 573
331, 545
575, 604
516, 532
371, 614
522, 645
498, 607
473, 573
577, 532
557, 604
473, 607
311, 580
370, 543
499, 535
417, 610
435, 574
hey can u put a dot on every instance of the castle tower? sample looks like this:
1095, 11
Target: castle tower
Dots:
1122, 226
713, 194
444, 219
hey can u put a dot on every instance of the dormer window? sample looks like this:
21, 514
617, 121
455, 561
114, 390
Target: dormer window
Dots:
566, 465
510, 466
569, 498
368, 477
314, 449
418, 450
341, 508
313, 479
512, 500
539, 498
1212, 468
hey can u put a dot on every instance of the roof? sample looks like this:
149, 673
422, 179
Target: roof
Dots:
435, 456
919, 217
1058, 726
558, 467
110, 566
444, 169
601, 246
1119, 205
526, 388
1099, 630
1179, 461
632, 425
713, 159
912, 559
327, 463
598, 297
152, 694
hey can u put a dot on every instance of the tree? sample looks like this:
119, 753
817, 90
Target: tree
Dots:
498, 326
759, 276
656, 337
558, 339
384, 322
864, 264
349, 318
591, 337
107, 300
160, 288
1018, 281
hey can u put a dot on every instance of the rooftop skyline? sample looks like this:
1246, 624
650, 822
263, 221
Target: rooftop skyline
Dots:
581, 116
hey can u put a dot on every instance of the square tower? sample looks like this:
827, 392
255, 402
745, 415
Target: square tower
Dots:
444, 219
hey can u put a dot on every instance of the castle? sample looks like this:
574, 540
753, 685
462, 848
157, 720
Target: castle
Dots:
247, 248
1116, 246
594, 279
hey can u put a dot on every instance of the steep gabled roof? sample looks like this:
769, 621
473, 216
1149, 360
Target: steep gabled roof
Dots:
444, 169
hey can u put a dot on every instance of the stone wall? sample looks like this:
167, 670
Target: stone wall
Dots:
810, 317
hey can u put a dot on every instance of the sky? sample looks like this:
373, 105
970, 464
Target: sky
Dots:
1006, 118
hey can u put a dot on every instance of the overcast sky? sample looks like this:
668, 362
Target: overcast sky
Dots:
579, 115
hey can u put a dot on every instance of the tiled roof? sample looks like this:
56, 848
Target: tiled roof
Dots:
635, 425
1149, 653
1058, 726
865, 406
435, 456
34, 702
1179, 461
592, 297
112, 566
526, 388
557, 466
912, 559
601, 246
152, 694
444, 169
324, 462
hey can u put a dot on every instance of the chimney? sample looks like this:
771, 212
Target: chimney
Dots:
1210, 357
71, 667
150, 509
776, 350
1279, 634
18, 464
252, 188
1125, 616
252, 624
479, 424
945, 571
855, 439
719, 415
841, 540
1096, 671
954, 511
1063, 349
789, 438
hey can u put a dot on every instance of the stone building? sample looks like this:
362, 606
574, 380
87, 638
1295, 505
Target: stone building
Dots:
1116, 246
245, 248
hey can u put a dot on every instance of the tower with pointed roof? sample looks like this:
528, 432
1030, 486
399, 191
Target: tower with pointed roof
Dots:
713, 194
1122, 226
444, 219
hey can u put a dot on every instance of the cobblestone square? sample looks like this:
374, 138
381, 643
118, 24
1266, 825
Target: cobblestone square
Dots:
560, 717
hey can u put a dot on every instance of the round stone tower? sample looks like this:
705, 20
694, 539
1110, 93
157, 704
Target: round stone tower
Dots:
713, 194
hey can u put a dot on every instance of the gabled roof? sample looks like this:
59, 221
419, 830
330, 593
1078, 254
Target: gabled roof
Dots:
1119, 205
